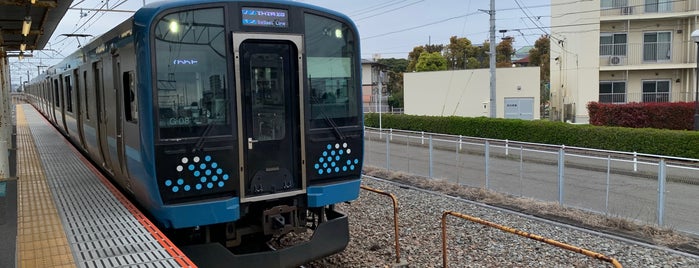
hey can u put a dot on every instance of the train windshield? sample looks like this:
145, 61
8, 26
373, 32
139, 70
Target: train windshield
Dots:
331, 58
192, 95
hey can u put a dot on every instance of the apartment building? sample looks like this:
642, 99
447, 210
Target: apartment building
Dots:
621, 51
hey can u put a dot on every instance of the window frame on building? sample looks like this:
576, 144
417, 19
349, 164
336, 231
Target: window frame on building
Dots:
655, 95
616, 94
660, 6
656, 46
613, 48
609, 4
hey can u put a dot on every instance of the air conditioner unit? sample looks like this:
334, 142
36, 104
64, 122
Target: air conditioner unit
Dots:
615, 60
626, 10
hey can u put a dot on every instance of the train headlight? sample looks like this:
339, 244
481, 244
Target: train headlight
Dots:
174, 26
338, 33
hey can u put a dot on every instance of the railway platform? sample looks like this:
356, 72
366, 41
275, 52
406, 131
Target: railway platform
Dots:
61, 212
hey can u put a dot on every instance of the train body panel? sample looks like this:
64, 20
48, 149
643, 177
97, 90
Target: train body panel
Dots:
242, 117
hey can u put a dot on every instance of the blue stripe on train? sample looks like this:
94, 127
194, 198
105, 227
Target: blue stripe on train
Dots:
324, 195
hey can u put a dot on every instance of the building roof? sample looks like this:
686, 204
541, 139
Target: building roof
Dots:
522, 53
43, 17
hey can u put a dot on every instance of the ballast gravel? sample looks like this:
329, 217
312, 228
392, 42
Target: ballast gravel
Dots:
470, 244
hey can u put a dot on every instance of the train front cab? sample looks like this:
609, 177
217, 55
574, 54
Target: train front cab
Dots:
256, 125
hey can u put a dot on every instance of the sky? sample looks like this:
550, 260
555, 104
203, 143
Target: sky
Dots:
387, 28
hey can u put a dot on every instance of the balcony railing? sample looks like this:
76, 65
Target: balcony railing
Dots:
680, 96
638, 7
650, 53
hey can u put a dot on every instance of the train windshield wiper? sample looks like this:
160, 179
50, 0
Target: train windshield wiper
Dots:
330, 121
202, 138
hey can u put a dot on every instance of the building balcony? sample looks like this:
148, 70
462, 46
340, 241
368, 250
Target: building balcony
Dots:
647, 56
651, 8
678, 96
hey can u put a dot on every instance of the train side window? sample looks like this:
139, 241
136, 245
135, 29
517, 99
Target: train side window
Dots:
57, 96
87, 105
130, 103
69, 94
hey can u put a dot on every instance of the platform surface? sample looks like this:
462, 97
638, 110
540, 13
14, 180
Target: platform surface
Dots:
69, 215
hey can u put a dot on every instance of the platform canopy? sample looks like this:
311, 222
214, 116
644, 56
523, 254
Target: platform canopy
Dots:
28, 24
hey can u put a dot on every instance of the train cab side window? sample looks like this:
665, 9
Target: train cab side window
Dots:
130, 103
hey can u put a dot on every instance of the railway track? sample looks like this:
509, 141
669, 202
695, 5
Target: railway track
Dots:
473, 245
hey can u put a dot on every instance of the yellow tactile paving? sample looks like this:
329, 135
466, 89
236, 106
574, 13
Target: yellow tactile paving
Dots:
41, 241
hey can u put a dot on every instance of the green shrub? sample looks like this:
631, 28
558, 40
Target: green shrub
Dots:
677, 143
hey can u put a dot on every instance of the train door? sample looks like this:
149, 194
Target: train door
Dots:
79, 87
116, 128
101, 110
128, 137
55, 109
62, 88
269, 71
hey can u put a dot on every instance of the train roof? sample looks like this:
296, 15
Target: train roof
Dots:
145, 16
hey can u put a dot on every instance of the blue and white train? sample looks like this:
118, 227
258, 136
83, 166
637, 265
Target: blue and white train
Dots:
230, 122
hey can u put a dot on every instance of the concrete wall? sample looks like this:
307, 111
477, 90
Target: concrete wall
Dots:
467, 92
574, 58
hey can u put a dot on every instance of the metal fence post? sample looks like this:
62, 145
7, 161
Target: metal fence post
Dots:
388, 153
561, 168
661, 191
430, 156
507, 147
521, 170
391, 133
609, 169
460, 140
487, 166
635, 162
407, 149
422, 137
458, 163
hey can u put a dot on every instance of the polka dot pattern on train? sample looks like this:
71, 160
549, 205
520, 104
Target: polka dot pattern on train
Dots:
195, 173
336, 158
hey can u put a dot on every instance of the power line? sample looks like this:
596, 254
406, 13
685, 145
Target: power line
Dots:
611, 8
529, 17
391, 10
377, 6
423, 25
465, 15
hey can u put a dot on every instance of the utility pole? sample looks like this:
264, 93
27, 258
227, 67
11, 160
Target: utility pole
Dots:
493, 99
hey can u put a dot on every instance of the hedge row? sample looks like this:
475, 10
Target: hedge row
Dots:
667, 115
651, 141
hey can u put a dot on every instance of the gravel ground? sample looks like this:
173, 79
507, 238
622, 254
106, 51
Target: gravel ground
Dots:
470, 244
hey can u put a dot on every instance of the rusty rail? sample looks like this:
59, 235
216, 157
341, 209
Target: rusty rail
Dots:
395, 216
520, 233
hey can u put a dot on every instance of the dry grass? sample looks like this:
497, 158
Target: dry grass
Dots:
549, 210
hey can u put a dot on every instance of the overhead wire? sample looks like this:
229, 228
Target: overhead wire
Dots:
390, 10
375, 7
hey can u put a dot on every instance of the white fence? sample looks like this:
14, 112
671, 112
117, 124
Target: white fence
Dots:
651, 189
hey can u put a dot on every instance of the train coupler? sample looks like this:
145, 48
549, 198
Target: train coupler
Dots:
281, 220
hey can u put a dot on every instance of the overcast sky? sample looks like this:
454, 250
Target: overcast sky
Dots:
388, 28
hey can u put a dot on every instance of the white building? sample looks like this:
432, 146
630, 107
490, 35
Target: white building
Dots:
371, 75
467, 93
620, 51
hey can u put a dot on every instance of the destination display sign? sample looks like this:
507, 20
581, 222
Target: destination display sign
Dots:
265, 17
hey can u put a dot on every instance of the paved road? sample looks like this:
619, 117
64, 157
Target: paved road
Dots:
630, 194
